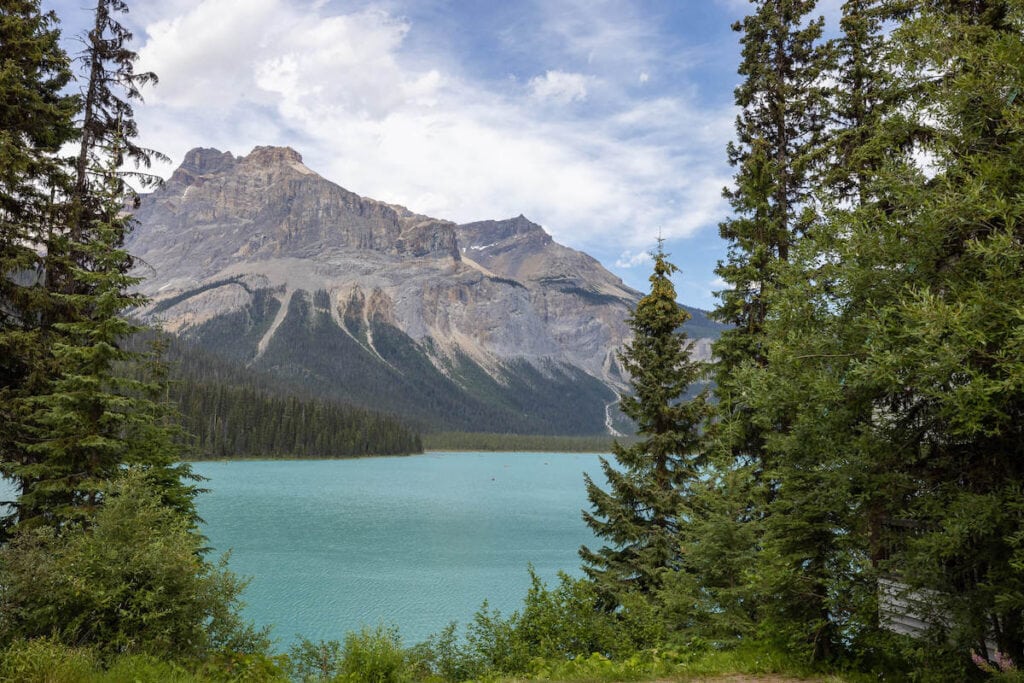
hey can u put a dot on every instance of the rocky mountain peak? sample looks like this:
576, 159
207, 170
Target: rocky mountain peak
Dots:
203, 160
483, 234
273, 156
521, 224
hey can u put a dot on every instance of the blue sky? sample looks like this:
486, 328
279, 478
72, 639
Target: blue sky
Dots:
605, 122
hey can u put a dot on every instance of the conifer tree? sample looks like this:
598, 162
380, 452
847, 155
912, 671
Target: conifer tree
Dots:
943, 354
777, 133
821, 540
95, 418
782, 104
84, 420
36, 120
107, 112
641, 513
781, 117
883, 341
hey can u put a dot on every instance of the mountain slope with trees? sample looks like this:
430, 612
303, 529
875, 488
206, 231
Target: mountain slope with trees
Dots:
228, 411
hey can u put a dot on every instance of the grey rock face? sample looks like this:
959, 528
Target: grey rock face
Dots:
229, 235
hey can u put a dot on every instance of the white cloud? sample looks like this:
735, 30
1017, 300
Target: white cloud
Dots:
340, 89
628, 259
644, 77
559, 86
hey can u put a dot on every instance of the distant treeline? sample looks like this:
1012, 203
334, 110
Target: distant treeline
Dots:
479, 441
229, 411
232, 421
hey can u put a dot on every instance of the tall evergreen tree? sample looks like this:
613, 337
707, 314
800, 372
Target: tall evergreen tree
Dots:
782, 103
36, 120
777, 132
82, 419
822, 537
95, 418
641, 514
107, 112
883, 341
781, 117
943, 354
821, 527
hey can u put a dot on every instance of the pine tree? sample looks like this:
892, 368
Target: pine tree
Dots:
36, 120
107, 113
891, 398
95, 418
822, 529
943, 347
641, 514
777, 134
783, 108
84, 419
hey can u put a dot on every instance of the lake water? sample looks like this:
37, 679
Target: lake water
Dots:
412, 542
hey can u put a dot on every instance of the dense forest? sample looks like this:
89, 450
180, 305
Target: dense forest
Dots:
228, 411
848, 497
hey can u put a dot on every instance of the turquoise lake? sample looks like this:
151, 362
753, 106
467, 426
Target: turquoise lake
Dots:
413, 542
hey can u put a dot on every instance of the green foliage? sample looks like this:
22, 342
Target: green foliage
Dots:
556, 624
710, 597
639, 666
45, 660
374, 656
228, 411
644, 513
243, 421
875, 407
567, 621
88, 421
35, 121
69, 421
309, 662
778, 136
143, 667
132, 582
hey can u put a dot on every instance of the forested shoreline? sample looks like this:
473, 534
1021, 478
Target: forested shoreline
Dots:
861, 450
228, 411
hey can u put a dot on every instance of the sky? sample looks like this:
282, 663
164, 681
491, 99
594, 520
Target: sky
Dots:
604, 122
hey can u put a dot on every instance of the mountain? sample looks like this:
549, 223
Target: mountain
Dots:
488, 326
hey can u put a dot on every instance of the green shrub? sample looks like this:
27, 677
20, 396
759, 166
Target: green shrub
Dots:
565, 621
446, 656
43, 660
133, 582
319, 661
235, 667
132, 668
374, 656
559, 624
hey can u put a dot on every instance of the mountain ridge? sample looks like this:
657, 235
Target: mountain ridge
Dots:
482, 326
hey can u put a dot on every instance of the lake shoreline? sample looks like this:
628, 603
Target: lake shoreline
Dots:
439, 451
